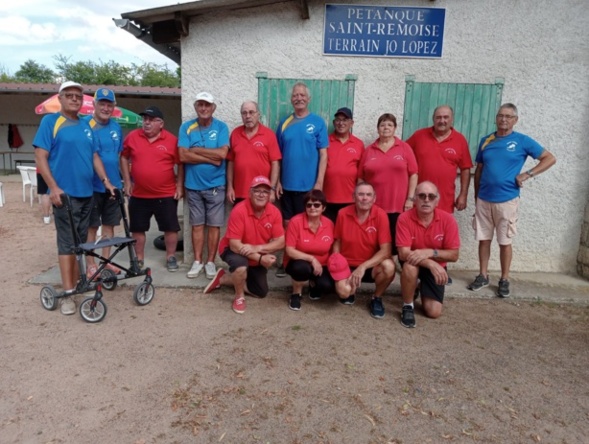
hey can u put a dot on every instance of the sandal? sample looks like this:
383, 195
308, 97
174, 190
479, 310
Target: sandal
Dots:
90, 271
113, 268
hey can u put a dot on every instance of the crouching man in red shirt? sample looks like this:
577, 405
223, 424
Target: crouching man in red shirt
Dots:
254, 233
427, 238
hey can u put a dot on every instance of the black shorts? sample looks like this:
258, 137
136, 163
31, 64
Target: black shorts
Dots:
367, 275
81, 209
301, 271
105, 211
428, 286
292, 203
42, 187
393, 227
332, 209
165, 211
257, 276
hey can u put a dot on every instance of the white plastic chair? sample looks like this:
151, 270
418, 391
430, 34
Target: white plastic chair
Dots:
2, 201
32, 172
26, 181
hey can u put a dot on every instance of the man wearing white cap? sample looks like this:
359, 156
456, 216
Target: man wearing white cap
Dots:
66, 157
109, 137
204, 143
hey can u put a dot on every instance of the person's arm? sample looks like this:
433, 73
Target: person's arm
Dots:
411, 192
179, 182
321, 169
546, 159
384, 252
295, 254
463, 195
421, 256
336, 247
187, 155
42, 161
99, 168
230, 190
478, 172
212, 155
125, 172
256, 252
274, 178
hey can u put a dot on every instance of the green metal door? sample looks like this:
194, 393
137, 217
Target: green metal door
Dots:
474, 104
326, 97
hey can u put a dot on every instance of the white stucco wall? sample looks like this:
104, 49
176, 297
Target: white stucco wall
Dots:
540, 48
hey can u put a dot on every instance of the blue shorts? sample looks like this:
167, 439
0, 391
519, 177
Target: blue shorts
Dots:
206, 207
105, 211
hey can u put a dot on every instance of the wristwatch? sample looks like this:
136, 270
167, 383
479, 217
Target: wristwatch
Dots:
530, 173
435, 253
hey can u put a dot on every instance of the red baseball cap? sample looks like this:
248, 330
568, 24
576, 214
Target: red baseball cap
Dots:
260, 180
338, 267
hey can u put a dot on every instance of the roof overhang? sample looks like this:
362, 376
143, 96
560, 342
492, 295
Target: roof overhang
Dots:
162, 28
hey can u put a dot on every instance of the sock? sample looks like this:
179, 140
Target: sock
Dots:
408, 305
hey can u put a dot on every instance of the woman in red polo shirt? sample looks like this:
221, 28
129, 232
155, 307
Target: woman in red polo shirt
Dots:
389, 165
309, 238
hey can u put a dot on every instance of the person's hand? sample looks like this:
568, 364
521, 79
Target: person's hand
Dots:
55, 196
317, 268
279, 190
230, 194
439, 273
355, 278
179, 192
247, 249
415, 257
268, 260
460, 203
408, 204
128, 185
521, 178
273, 196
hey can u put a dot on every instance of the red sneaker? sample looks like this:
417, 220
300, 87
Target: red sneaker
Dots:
239, 305
215, 283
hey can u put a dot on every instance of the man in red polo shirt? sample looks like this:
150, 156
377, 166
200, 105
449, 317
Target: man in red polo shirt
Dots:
156, 186
254, 233
343, 158
427, 239
440, 151
363, 238
253, 152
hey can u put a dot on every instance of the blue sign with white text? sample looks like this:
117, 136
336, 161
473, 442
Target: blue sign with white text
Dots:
383, 31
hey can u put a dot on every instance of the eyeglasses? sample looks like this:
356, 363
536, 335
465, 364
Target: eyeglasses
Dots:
147, 119
336, 121
314, 204
71, 96
505, 116
249, 113
261, 192
430, 196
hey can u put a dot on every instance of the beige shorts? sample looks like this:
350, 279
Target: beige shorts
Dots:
501, 217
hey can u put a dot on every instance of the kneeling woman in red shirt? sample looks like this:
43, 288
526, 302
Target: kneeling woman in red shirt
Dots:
309, 238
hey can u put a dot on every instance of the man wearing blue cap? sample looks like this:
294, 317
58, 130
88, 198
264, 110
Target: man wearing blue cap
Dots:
109, 140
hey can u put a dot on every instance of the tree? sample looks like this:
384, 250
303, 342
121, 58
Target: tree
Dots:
32, 72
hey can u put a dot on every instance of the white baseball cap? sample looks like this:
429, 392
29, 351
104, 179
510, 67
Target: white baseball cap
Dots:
70, 84
205, 97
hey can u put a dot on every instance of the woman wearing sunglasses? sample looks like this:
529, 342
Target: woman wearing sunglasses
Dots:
309, 238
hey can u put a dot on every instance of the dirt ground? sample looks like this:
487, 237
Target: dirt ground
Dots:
186, 369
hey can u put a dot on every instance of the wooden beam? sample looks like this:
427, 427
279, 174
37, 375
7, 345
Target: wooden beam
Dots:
304, 9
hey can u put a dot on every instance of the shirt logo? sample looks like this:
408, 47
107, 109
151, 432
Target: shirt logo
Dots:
161, 148
114, 135
450, 151
88, 133
213, 135
351, 150
398, 157
310, 128
511, 146
259, 144
371, 229
326, 238
439, 237
268, 225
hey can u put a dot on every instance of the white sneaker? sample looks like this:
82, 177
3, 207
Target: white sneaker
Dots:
47, 219
210, 270
67, 305
195, 270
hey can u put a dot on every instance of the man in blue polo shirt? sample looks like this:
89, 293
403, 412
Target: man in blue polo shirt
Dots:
497, 182
203, 145
66, 157
303, 141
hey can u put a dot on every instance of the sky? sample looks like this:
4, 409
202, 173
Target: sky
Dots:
82, 31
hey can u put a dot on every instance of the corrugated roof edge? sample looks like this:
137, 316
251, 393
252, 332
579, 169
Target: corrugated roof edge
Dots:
13, 87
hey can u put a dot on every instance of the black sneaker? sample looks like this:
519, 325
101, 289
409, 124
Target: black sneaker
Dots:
172, 264
314, 294
449, 281
376, 308
503, 290
349, 300
408, 316
294, 302
280, 272
479, 282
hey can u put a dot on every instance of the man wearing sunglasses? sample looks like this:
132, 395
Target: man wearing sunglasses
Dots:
427, 239
497, 182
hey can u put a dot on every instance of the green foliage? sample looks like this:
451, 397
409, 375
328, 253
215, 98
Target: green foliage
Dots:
33, 72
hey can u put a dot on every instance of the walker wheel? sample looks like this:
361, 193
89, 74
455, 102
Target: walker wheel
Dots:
144, 293
92, 310
109, 279
48, 298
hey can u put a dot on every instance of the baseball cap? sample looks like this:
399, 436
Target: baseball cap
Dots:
152, 111
205, 96
70, 84
105, 94
345, 111
261, 180
338, 267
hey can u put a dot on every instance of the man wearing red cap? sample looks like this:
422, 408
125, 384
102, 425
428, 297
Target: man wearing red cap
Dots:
363, 238
254, 233
343, 157
427, 238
